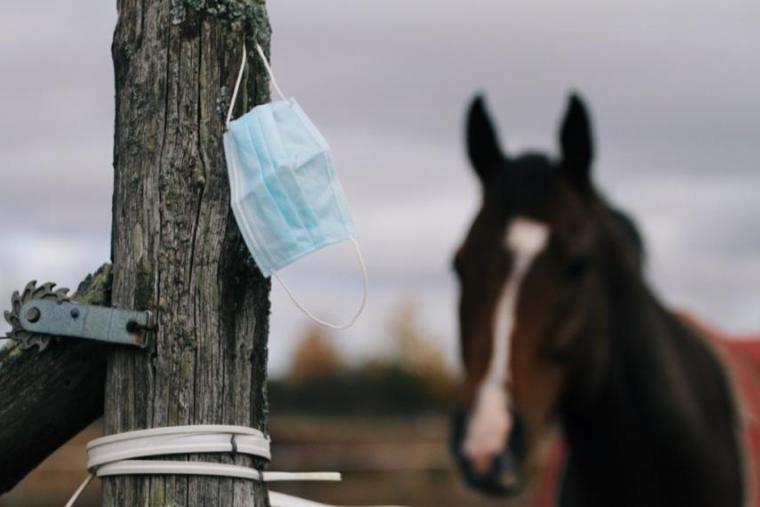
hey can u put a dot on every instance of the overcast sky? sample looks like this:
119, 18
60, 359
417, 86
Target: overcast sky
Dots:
673, 87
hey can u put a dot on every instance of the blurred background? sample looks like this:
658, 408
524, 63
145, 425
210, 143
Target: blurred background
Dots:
673, 88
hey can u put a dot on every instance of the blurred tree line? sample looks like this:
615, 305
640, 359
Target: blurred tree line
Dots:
413, 379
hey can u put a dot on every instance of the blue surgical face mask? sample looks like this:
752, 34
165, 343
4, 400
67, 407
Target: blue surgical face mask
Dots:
285, 195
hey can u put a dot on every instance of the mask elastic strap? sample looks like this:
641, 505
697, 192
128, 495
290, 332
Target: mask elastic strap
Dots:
269, 71
240, 79
361, 306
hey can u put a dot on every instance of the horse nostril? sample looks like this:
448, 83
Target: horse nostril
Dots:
508, 464
458, 429
517, 441
500, 474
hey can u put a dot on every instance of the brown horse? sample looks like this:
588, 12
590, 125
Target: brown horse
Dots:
559, 328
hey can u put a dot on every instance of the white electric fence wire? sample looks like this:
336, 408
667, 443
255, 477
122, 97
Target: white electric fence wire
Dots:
118, 455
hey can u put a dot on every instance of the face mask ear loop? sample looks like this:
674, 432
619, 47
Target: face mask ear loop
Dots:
361, 306
240, 79
269, 71
237, 87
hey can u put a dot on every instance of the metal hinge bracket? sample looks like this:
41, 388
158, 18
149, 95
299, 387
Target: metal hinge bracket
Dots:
41, 313
126, 327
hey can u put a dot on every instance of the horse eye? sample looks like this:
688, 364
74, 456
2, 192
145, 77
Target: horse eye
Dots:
557, 356
577, 267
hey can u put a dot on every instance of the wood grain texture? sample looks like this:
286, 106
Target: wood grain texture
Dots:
176, 247
48, 397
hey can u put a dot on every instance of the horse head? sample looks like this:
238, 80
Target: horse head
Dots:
530, 277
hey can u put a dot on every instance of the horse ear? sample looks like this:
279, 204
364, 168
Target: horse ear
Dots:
577, 145
482, 145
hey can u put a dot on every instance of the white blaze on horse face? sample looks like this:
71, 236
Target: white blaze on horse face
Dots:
489, 427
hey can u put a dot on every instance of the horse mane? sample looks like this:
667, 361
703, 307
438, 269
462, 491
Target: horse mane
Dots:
649, 416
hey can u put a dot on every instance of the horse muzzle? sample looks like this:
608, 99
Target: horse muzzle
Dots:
504, 476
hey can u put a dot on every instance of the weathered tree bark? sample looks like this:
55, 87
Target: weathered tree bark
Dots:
176, 247
48, 397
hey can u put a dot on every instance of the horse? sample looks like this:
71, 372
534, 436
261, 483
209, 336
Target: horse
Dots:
559, 329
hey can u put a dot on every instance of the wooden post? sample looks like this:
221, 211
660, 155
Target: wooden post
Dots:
176, 248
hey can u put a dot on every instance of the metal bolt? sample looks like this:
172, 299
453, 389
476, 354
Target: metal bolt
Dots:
33, 314
74, 313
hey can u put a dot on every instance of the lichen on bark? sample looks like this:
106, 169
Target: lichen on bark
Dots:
242, 15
